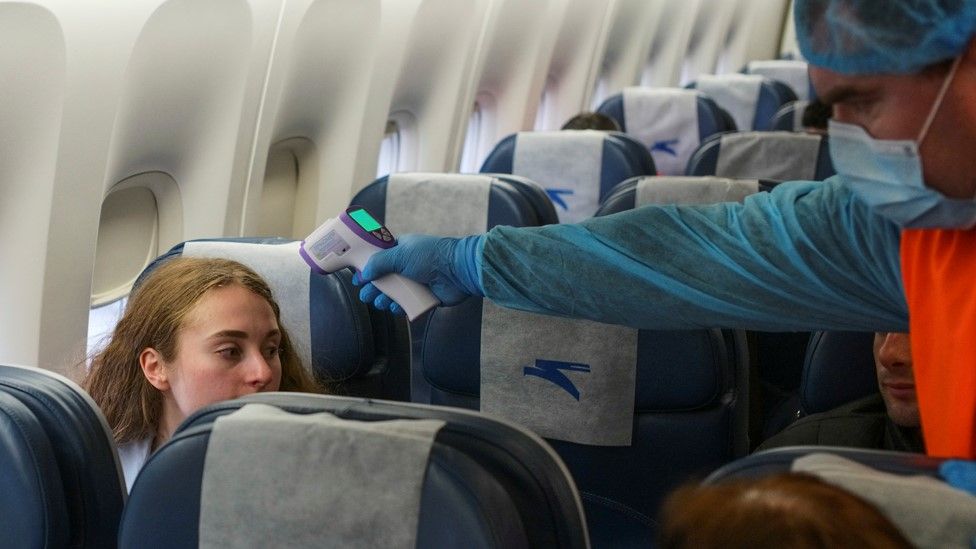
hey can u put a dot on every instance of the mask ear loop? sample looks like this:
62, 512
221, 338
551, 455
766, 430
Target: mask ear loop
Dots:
938, 101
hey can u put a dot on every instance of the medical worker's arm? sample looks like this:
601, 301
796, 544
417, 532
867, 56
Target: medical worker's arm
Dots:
805, 256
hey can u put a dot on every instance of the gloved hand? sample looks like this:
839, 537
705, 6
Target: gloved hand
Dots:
450, 267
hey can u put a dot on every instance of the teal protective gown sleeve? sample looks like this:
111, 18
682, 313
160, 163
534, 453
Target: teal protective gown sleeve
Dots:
806, 256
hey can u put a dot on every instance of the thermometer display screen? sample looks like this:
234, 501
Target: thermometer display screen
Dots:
364, 220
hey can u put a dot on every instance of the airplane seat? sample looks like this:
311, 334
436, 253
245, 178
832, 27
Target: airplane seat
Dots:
780, 460
792, 72
687, 405
669, 122
512, 200
362, 473
838, 368
780, 156
664, 189
60, 479
350, 347
750, 99
576, 167
906, 487
452, 205
789, 118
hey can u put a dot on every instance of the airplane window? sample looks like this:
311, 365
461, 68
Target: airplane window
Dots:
101, 321
469, 155
389, 156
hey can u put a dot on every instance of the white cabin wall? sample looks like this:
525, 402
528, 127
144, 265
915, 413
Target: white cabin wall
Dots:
708, 38
434, 91
314, 115
33, 69
511, 72
671, 38
755, 33
575, 61
97, 43
629, 42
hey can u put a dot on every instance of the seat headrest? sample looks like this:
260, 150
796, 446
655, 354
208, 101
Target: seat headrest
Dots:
795, 73
778, 156
576, 167
485, 484
839, 368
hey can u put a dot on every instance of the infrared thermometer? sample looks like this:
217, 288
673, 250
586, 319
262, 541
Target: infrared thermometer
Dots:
349, 241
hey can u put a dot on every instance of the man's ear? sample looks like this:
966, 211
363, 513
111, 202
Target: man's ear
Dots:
151, 362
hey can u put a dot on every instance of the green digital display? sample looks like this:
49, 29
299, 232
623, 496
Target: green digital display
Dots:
365, 220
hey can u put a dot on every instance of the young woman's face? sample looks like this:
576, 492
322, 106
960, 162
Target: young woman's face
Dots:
228, 347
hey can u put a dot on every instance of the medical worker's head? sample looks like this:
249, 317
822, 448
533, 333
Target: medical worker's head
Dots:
901, 70
196, 331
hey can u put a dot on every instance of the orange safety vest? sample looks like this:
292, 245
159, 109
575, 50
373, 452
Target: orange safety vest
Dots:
939, 272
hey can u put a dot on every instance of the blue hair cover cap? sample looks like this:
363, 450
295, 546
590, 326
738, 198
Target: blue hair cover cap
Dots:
882, 36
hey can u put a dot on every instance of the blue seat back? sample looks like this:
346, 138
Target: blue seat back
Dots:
618, 159
60, 479
354, 349
487, 484
666, 142
780, 460
689, 416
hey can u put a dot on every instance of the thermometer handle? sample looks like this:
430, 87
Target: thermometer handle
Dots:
414, 297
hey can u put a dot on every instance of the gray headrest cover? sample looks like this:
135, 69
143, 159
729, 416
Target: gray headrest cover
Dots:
276, 479
437, 204
693, 190
929, 512
568, 164
781, 156
565, 379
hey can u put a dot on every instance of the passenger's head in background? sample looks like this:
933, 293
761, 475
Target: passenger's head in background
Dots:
196, 331
896, 380
790, 510
815, 117
591, 121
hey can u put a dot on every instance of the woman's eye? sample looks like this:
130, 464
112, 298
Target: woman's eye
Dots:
229, 353
272, 352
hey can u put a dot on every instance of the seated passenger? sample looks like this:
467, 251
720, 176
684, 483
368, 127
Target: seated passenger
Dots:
888, 420
195, 332
790, 510
591, 121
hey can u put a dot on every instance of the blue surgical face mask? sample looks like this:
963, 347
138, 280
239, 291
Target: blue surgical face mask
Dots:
887, 175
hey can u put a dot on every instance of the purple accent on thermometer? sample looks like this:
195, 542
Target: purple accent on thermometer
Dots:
362, 233
311, 263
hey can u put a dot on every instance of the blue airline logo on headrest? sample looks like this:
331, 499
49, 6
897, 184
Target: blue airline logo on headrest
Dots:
550, 370
556, 196
665, 146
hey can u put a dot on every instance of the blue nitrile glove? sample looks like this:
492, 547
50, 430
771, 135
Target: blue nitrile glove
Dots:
960, 474
450, 267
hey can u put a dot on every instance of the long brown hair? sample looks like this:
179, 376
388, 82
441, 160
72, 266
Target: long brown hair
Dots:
153, 318
789, 510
